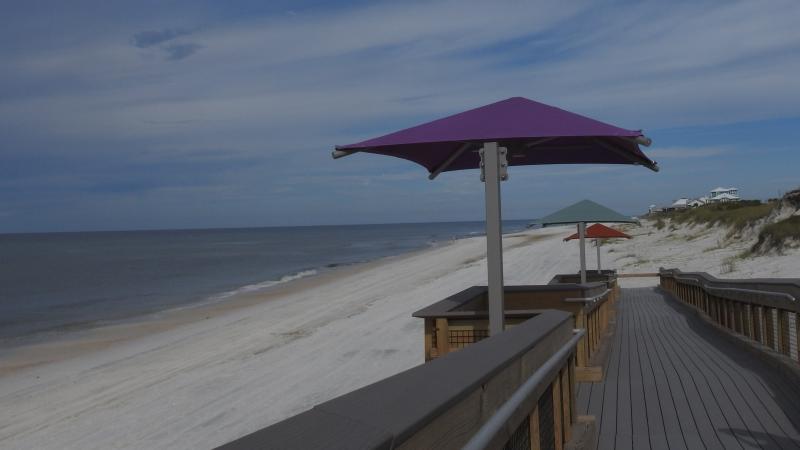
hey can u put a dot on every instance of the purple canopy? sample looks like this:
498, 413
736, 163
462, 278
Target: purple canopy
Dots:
512, 132
533, 133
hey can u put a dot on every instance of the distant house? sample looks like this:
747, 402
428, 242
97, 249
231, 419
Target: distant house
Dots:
722, 195
723, 198
681, 203
698, 202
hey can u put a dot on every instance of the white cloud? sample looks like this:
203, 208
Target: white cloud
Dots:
290, 86
272, 80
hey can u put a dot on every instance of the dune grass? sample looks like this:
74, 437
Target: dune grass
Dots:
735, 215
776, 236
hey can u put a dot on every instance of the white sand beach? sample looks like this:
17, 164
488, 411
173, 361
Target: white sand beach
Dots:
201, 378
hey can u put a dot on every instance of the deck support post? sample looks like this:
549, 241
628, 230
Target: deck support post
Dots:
597, 244
493, 165
582, 236
442, 337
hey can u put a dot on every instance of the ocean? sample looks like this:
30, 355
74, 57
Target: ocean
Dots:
53, 283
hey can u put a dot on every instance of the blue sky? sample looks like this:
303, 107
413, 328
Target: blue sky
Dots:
154, 114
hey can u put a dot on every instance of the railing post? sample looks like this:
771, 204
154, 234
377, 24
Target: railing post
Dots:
580, 322
738, 320
536, 438
783, 331
442, 337
769, 328
566, 410
758, 335
429, 330
724, 312
797, 334
748, 314
557, 415
574, 413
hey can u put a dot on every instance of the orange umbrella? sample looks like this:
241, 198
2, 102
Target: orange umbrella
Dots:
599, 231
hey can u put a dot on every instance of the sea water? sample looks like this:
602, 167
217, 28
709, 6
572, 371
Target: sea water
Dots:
51, 283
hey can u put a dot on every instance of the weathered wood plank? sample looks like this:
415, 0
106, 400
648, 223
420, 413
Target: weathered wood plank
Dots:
640, 415
652, 403
672, 381
624, 440
744, 379
704, 410
607, 414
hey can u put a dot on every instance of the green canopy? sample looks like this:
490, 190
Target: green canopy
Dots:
585, 211
580, 213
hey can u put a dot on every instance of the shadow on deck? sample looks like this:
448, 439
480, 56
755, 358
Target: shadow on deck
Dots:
673, 381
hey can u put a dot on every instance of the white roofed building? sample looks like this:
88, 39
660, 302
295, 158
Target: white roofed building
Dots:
698, 202
724, 194
722, 198
681, 203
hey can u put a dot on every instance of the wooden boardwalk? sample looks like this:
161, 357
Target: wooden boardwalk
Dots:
674, 382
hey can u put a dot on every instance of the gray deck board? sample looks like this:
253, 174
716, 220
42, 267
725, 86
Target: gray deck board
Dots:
672, 381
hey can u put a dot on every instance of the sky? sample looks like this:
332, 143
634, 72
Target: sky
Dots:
174, 114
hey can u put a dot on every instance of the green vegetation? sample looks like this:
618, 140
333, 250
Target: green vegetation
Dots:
736, 215
660, 223
776, 235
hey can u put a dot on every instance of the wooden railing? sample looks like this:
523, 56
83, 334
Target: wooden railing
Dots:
763, 310
514, 390
461, 320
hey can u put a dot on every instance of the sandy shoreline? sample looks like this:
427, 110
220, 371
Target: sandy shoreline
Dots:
72, 344
218, 373
207, 376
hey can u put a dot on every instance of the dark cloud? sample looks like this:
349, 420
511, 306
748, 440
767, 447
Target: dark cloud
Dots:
177, 52
150, 38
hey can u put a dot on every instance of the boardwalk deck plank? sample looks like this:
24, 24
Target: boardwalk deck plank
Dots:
649, 398
639, 415
745, 377
625, 426
607, 420
673, 381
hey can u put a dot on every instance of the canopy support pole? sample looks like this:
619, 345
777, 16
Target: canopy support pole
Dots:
597, 244
492, 166
582, 236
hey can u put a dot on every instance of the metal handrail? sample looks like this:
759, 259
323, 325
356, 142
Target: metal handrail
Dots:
483, 437
588, 299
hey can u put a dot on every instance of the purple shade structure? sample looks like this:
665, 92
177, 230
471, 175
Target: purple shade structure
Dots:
533, 133
512, 132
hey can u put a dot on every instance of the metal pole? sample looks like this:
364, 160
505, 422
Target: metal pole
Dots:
597, 244
582, 235
494, 237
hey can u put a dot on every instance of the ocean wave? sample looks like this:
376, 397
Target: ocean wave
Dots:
266, 284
